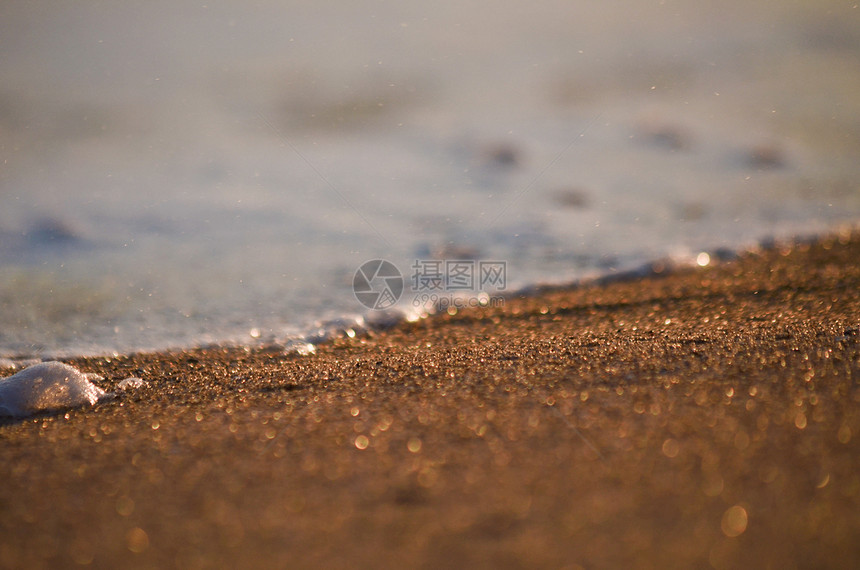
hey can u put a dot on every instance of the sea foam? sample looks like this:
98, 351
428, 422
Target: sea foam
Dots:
45, 387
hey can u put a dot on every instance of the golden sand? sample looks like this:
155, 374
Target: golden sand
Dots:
707, 418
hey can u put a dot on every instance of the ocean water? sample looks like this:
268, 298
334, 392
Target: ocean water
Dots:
175, 174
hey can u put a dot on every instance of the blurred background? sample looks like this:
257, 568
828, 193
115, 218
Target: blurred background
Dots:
177, 173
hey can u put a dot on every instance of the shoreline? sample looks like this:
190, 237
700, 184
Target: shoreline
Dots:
322, 330
701, 417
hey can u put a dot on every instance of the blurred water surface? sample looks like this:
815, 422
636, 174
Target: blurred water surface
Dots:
176, 173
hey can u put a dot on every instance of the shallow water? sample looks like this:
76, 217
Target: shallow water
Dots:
176, 174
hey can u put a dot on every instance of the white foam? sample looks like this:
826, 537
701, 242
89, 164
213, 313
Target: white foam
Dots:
44, 387
131, 384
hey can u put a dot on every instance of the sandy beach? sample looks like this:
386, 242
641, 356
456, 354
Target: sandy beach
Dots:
701, 418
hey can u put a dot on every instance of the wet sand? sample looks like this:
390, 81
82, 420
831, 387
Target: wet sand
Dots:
707, 418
